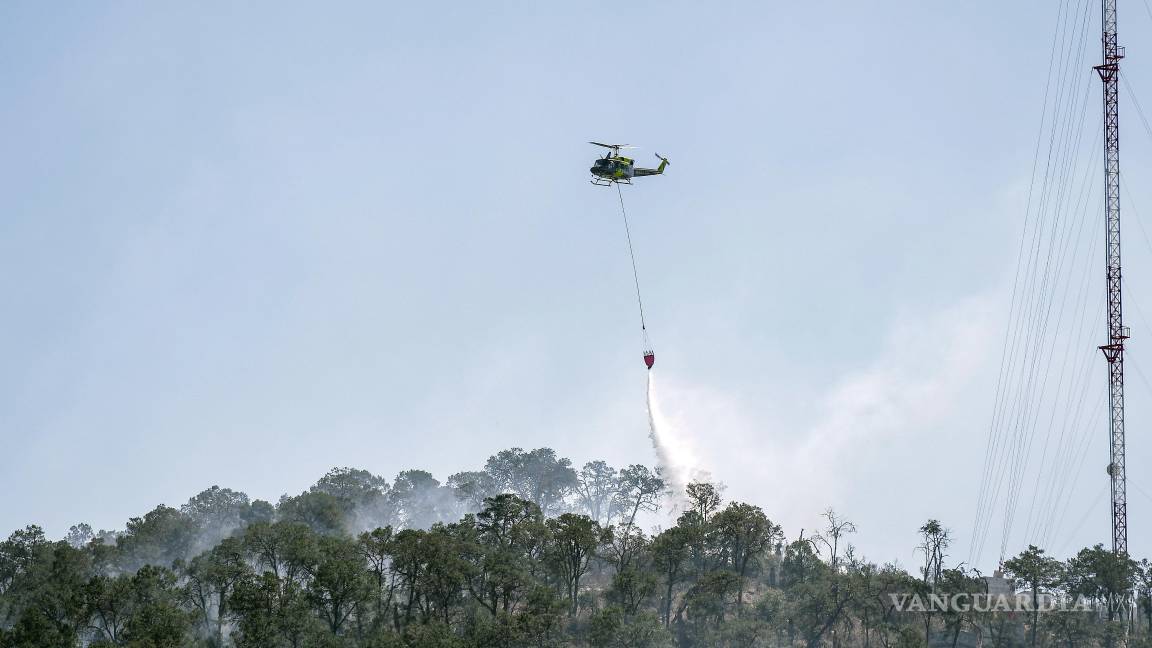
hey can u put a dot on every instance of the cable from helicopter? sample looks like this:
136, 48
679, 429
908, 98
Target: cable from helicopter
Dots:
649, 354
616, 169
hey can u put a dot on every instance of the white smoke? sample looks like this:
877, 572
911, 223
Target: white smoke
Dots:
675, 459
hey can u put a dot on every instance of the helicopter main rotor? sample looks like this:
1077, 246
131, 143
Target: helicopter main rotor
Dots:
614, 147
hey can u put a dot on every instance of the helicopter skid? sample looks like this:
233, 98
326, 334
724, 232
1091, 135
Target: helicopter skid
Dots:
605, 182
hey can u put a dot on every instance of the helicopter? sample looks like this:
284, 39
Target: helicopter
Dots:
614, 167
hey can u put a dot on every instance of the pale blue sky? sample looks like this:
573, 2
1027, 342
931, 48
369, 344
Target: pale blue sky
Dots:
242, 243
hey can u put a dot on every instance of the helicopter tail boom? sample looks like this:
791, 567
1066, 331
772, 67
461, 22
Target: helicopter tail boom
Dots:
657, 171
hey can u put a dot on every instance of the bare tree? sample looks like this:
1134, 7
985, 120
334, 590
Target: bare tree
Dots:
837, 528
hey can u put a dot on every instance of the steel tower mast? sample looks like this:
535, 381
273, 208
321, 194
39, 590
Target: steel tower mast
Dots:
1109, 72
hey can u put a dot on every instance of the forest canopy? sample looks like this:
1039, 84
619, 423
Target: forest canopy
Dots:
527, 551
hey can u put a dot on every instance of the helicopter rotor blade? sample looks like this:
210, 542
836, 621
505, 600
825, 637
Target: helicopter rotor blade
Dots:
616, 147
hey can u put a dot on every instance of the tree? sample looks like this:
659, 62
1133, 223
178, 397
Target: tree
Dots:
1032, 569
936, 540
47, 592
1144, 590
596, 484
107, 601
632, 588
79, 535
259, 511
801, 563
638, 489
610, 628
874, 588
703, 498
286, 549
1100, 575
351, 484
161, 537
444, 582
670, 551
376, 550
573, 541
836, 529
501, 545
954, 582
1073, 630
339, 586
419, 501
409, 564
473, 487
538, 476
272, 611
210, 579
819, 602
744, 535
706, 605
18, 553
256, 603
216, 512
366, 497
155, 617
508, 521
322, 512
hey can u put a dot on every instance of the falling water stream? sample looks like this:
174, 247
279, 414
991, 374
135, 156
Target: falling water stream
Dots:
676, 462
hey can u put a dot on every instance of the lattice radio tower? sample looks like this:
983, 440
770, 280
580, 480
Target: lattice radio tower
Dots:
1109, 72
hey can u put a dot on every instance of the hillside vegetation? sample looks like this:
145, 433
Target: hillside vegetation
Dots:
528, 551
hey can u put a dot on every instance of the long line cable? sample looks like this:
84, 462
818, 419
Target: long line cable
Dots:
1070, 206
1083, 519
984, 503
1029, 353
984, 499
1092, 423
1136, 103
632, 254
1043, 351
1037, 355
1047, 499
1076, 334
